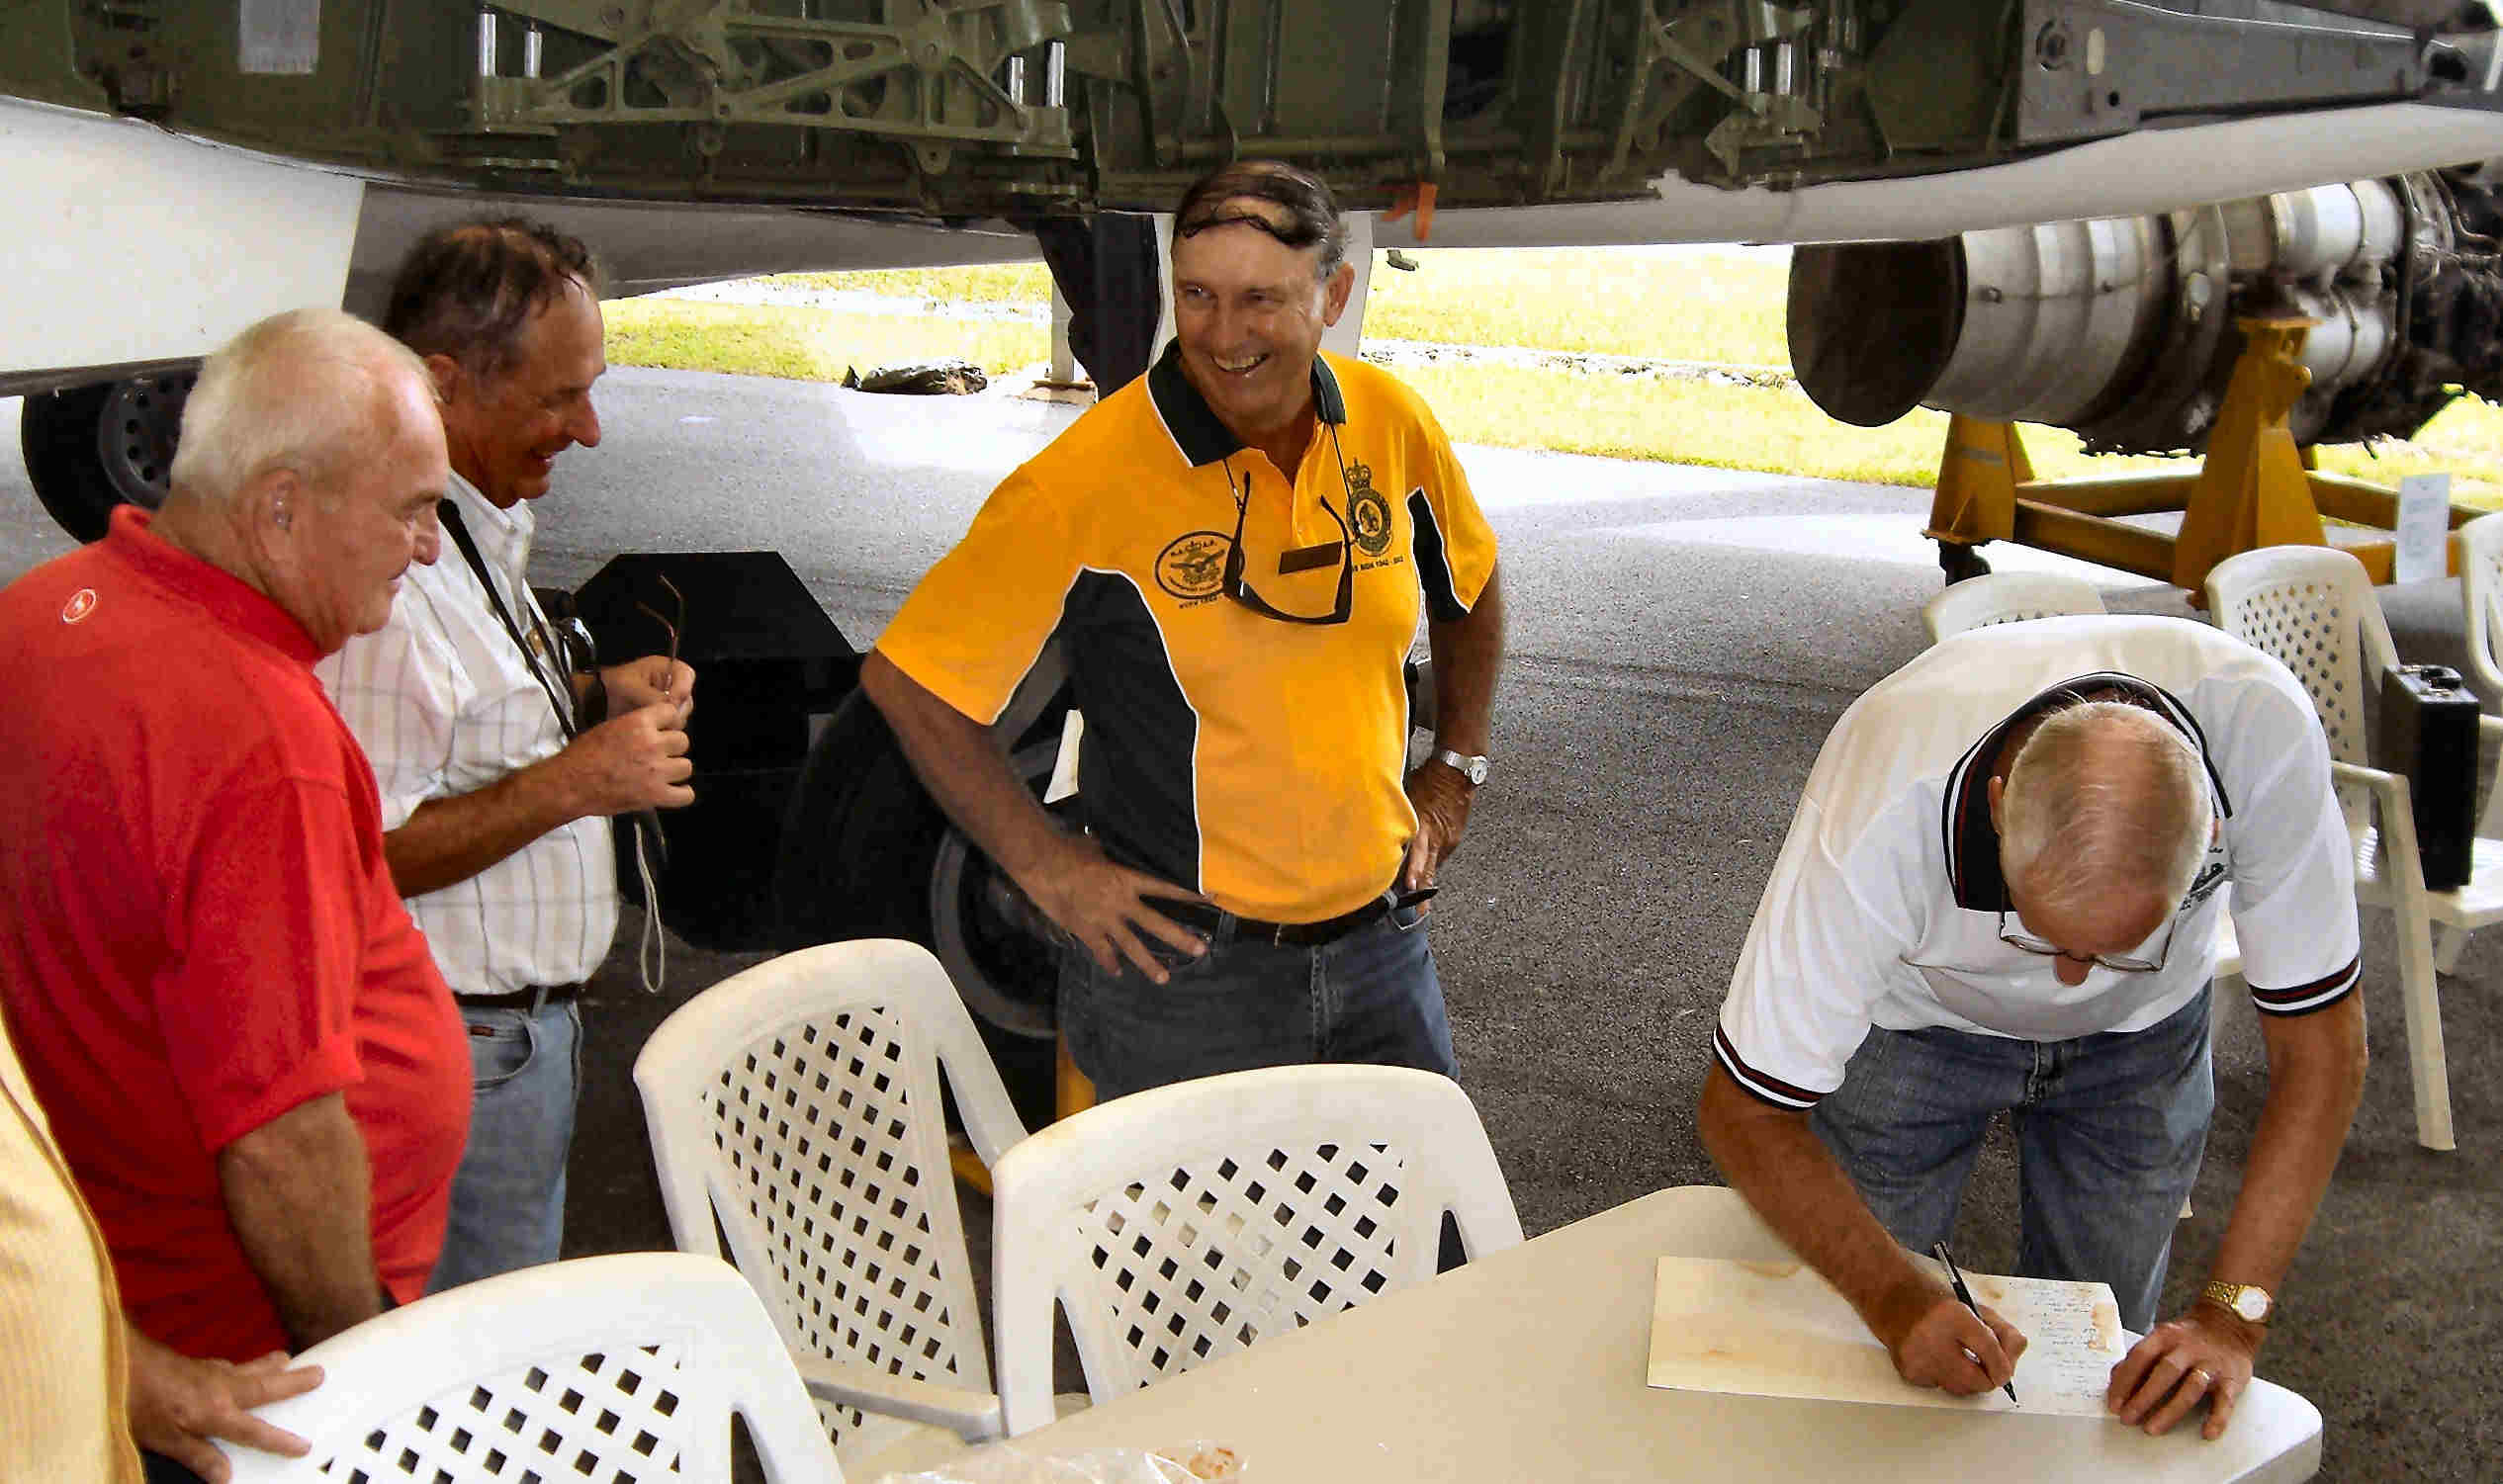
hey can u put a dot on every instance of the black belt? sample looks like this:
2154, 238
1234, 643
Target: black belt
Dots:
528, 997
1222, 926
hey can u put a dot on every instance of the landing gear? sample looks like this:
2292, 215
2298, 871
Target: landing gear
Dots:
1959, 562
91, 448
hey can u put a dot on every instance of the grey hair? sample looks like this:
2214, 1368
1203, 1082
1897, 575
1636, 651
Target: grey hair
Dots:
2105, 794
1313, 217
308, 391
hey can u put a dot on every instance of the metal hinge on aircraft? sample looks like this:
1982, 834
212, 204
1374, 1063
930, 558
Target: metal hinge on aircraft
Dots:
988, 73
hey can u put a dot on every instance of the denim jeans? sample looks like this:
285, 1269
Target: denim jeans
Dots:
1368, 997
2109, 1132
508, 1196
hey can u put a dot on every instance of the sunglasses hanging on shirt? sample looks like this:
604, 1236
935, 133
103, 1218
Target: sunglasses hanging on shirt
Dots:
1237, 587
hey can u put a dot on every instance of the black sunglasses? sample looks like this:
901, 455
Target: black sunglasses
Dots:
1240, 590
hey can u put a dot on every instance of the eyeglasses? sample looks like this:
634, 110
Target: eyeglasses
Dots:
2048, 949
669, 627
1236, 588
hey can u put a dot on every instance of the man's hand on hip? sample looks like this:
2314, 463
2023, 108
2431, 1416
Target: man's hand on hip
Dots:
633, 762
2205, 1355
177, 1404
651, 681
1104, 906
1441, 797
1935, 1341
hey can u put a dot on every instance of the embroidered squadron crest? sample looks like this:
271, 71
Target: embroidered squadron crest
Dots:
1368, 513
1193, 566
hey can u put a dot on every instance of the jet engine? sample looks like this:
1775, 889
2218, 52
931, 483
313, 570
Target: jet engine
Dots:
2122, 328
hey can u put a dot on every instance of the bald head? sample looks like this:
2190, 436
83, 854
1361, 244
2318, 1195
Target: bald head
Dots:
2105, 801
313, 392
311, 463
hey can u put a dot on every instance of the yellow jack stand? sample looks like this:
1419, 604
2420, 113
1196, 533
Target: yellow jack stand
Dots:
1071, 1093
2254, 487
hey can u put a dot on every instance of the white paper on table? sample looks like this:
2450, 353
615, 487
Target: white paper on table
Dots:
1779, 1329
2422, 539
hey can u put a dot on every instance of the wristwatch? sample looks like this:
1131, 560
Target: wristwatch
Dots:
1472, 768
2243, 1299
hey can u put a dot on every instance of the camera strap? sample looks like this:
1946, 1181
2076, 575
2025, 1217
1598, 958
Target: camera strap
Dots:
452, 522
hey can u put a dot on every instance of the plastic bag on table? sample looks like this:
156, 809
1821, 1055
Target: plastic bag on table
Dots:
1010, 1463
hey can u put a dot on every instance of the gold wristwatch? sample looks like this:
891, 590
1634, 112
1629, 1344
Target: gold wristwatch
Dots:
2247, 1300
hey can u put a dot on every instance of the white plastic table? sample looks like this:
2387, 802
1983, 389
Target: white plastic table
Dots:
1530, 1364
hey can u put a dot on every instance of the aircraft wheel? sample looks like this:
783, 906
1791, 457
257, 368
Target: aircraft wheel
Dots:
91, 448
867, 854
1960, 562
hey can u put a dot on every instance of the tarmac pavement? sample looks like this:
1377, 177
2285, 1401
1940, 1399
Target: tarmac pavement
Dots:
1682, 641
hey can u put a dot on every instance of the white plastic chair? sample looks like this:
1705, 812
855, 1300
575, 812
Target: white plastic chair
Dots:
1181, 1224
615, 1368
798, 1104
2481, 614
2314, 609
2007, 598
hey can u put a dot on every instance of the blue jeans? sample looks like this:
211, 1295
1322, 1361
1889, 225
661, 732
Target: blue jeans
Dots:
1368, 997
508, 1195
2109, 1132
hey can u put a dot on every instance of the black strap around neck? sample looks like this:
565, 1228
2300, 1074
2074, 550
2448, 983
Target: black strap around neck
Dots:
452, 522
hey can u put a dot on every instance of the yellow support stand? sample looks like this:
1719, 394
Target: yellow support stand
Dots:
1071, 1093
2254, 488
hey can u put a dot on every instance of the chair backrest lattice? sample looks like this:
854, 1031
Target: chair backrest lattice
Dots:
798, 1103
816, 1125
2313, 609
1228, 1251
607, 1418
2005, 599
615, 1369
1180, 1225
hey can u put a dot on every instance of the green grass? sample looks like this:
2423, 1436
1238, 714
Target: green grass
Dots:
1662, 304
1011, 283
1659, 302
804, 344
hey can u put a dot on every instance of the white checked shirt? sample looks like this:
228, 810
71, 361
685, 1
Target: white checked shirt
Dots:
445, 705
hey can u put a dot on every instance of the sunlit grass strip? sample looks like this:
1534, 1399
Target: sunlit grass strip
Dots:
811, 345
1669, 303
1664, 304
1611, 416
1777, 430
1003, 283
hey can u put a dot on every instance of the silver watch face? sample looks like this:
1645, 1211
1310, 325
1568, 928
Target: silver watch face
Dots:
1472, 768
2252, 1304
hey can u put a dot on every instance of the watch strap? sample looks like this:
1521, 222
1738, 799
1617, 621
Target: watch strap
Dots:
2239, 1298
1472, 768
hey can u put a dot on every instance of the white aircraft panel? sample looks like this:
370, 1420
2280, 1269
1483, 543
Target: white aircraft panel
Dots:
129, 244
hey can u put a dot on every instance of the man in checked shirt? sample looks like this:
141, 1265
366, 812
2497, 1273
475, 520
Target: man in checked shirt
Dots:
500, 766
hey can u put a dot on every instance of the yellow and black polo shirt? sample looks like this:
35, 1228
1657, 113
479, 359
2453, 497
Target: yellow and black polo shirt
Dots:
1255, 760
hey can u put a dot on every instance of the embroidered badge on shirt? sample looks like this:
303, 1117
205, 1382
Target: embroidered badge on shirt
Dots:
1193, 566
1368, 513
81, 604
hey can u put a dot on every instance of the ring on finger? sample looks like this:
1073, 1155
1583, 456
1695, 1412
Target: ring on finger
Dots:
2202, 1374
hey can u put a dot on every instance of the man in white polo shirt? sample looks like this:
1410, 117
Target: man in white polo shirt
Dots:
2002, 892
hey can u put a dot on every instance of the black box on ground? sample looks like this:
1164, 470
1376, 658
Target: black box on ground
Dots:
2427, 732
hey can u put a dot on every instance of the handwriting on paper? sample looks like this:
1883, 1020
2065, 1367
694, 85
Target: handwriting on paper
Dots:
1778, 1328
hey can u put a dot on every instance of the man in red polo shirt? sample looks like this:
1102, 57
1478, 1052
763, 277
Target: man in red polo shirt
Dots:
251, 1065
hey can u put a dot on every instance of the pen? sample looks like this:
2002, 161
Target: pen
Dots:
1964, 1296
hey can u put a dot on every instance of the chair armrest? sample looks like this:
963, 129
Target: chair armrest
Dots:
971, 1415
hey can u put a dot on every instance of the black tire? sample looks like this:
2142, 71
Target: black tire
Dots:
1959, 562
861, 846
91, 448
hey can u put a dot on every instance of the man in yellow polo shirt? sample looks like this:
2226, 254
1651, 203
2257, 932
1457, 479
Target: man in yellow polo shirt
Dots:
1234, 551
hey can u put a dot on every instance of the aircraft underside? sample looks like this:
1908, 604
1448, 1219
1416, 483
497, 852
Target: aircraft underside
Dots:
2047, 211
